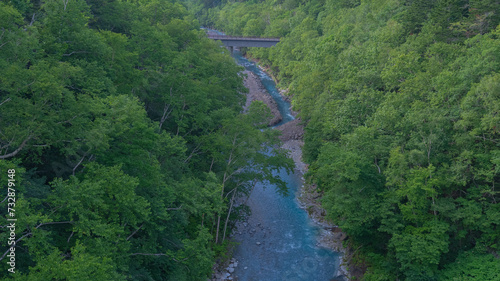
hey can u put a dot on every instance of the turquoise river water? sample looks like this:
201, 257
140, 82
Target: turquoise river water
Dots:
279, 241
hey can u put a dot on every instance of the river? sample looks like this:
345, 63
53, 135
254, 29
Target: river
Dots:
278, 241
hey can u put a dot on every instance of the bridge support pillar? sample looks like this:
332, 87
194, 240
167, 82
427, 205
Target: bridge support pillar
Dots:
230, 48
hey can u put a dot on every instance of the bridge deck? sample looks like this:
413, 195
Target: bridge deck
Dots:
225, 37
238, 41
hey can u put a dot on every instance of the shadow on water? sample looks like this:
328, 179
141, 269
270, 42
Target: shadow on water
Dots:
279, 241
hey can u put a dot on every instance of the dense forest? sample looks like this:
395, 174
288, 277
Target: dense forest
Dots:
122, 142
401, 102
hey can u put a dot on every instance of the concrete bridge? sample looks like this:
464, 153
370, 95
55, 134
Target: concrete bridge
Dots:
232, 41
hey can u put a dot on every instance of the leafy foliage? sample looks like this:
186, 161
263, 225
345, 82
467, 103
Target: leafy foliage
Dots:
401, 104
123, 122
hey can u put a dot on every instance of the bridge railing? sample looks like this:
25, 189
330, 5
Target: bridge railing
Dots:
217, 37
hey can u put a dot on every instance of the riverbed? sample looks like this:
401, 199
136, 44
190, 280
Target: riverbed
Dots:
278, 241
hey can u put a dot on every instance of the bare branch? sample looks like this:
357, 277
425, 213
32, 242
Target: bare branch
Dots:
54, 222
17, 150
376, 164
8, 99
75, 52
251, 190
15, 243
166, 112
32, 19
193, 153
81, 160
211, 164
178, 208
227, 194
228, 214
130, 236
72, 232
65, 2
30, 233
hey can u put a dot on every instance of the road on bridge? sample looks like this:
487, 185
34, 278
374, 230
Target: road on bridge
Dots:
236, 41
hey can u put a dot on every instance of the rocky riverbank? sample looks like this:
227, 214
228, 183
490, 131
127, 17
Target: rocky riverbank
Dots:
257, 91
330, 235
223, 272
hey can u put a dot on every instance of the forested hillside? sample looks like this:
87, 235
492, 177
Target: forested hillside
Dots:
121, 142
401, 101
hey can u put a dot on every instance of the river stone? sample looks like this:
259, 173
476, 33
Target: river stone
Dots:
231, 270
339, 236
245, 267
258, 243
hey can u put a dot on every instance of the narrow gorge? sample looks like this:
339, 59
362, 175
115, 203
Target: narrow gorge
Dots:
278, 240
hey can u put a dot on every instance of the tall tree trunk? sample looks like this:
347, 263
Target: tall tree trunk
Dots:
229, 213
224, 179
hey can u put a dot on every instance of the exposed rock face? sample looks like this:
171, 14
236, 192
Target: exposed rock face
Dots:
257, 91
292, 130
